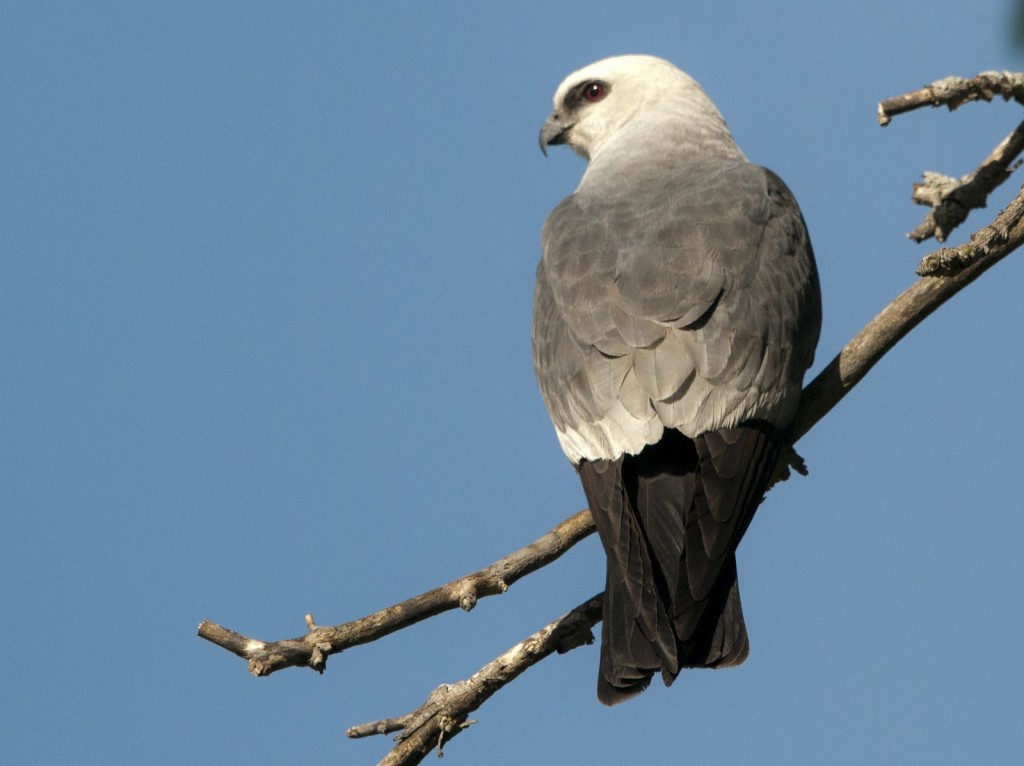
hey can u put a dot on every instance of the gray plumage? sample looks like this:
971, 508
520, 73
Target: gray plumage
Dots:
676, 311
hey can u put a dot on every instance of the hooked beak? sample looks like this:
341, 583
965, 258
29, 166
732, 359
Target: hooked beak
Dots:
554, 132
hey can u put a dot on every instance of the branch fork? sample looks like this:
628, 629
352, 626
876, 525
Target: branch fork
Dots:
952, 200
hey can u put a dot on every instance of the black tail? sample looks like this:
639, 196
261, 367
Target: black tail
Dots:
670, 519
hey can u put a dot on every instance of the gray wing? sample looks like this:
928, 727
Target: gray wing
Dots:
690, 303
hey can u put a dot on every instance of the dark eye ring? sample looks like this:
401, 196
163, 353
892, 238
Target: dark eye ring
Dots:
594, 91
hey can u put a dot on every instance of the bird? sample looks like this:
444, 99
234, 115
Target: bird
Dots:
677, 308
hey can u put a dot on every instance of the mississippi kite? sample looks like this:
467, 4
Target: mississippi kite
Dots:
677, 308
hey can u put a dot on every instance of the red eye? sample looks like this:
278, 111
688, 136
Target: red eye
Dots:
594, 91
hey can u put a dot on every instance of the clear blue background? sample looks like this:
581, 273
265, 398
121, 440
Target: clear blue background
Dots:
265, 291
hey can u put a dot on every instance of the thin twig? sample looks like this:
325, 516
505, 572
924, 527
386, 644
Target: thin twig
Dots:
313, 648
447, 708
950, 261
952, 200
954, 92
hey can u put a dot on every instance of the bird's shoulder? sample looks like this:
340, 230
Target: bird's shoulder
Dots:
696, 208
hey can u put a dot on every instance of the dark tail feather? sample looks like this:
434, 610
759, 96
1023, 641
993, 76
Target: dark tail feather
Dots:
628, 657
668, 603
637, 636
719, 639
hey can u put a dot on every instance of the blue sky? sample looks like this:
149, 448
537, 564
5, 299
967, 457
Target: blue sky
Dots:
264, 349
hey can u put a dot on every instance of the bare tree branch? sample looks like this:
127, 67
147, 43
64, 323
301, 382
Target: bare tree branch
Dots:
951, 199
445, 712
997, 239
955, 92
904, 314
447, 708
313, 648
